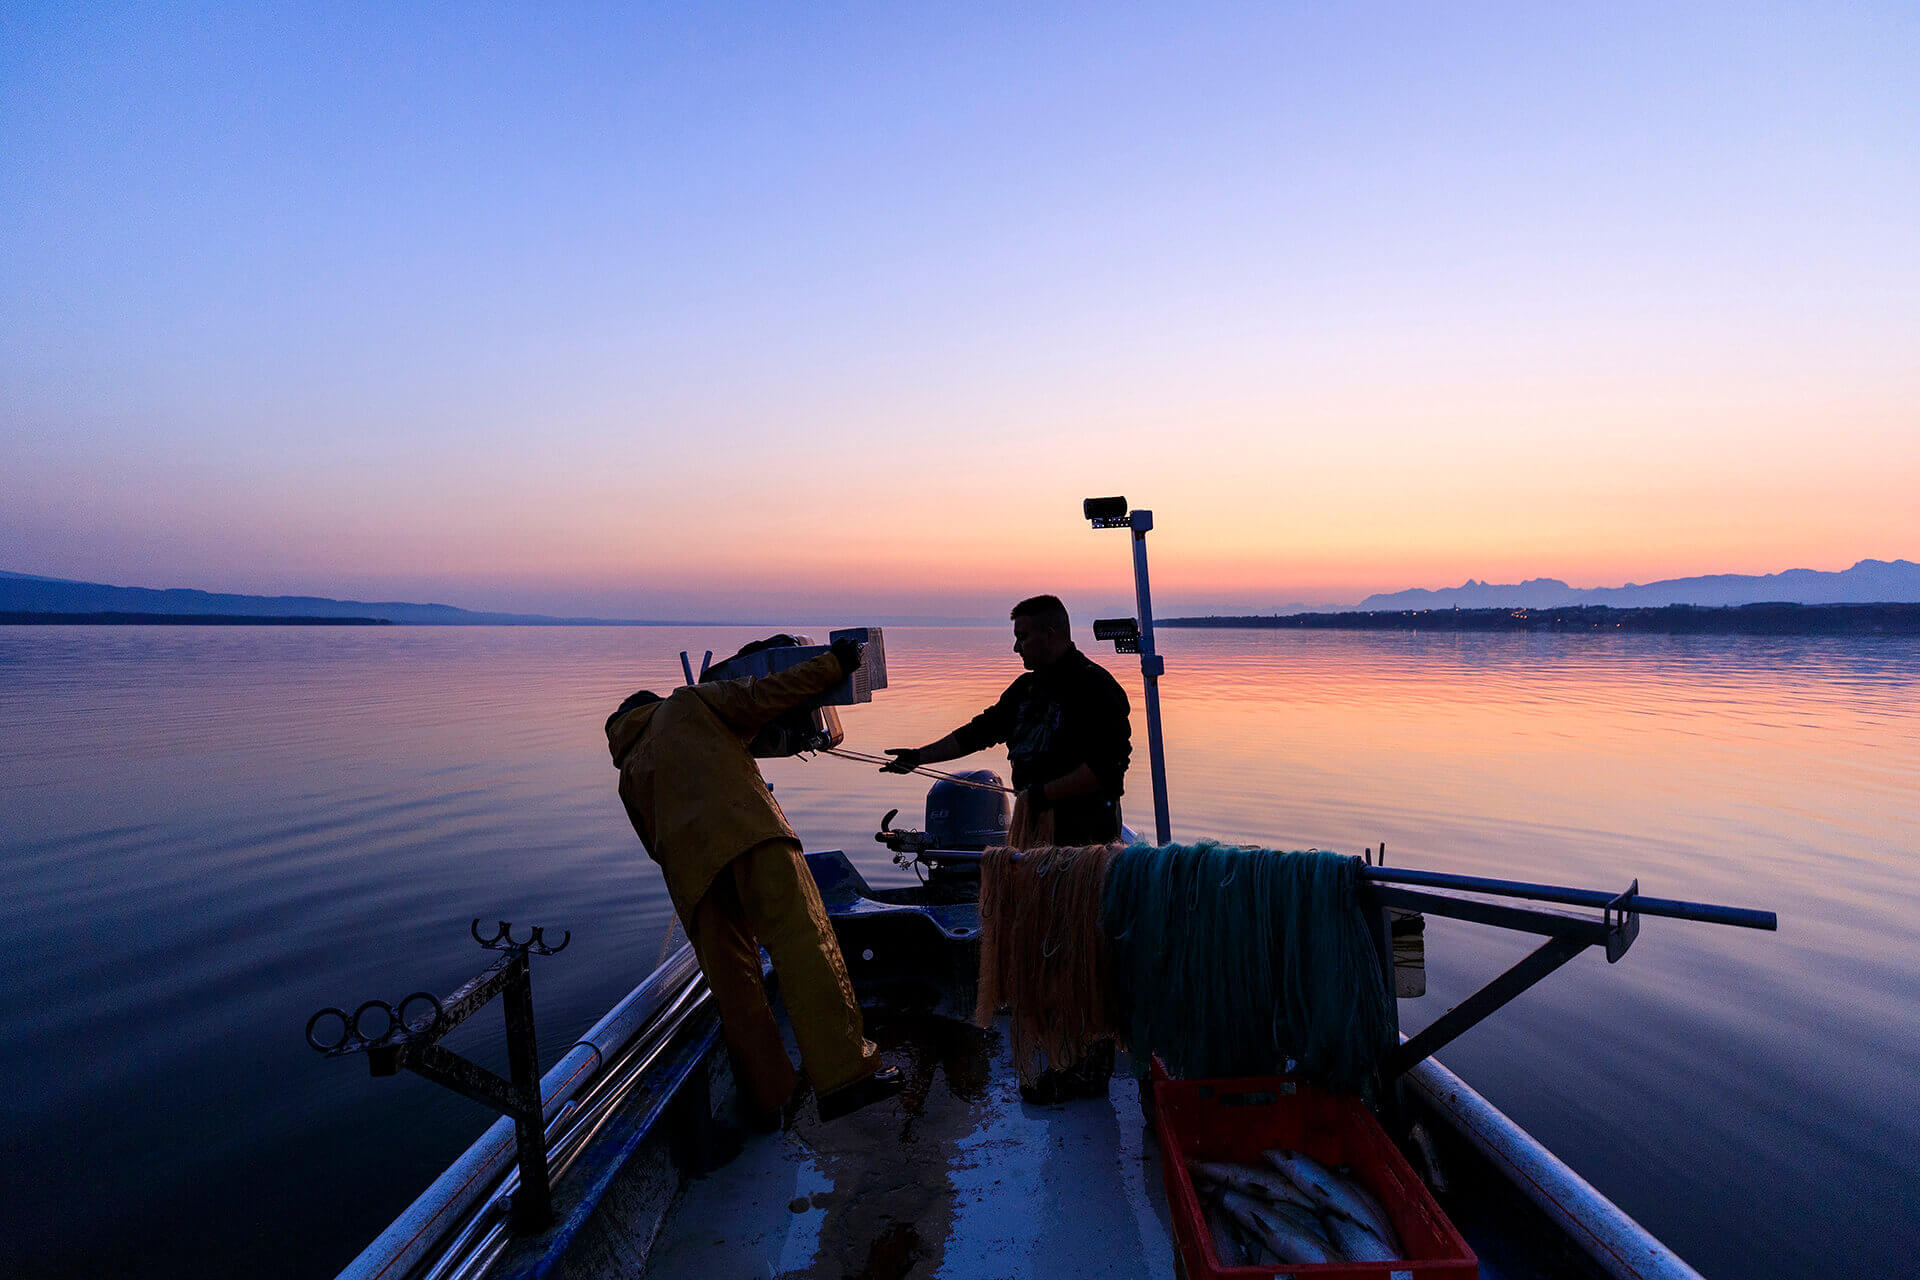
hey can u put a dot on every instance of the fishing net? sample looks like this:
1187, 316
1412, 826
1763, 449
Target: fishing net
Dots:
1027, 829
1042, 952
1228, 960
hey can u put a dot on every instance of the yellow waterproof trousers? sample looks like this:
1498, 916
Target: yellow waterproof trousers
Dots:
767, 897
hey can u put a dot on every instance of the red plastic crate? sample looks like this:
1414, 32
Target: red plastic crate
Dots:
1237, 1119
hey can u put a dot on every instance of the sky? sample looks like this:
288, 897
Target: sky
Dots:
752, 311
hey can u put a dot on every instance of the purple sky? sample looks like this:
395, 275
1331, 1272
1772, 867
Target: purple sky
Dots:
654, 312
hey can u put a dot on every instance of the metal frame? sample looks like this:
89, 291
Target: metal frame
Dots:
412, 1044
1567, 935
1614, 930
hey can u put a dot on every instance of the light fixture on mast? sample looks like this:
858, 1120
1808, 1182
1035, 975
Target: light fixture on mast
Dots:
1131, 635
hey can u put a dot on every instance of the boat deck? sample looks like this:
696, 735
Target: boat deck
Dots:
955, 1177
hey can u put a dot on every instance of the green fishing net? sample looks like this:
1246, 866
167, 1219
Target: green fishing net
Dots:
1230, 961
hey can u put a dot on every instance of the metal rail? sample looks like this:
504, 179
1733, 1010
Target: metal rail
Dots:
479, 1241
471, 1192
1704, 912
1619, 1246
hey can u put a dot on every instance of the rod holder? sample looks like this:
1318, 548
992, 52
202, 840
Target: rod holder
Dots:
406, 1036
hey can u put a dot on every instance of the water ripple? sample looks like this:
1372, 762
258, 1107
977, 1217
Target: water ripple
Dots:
208, 833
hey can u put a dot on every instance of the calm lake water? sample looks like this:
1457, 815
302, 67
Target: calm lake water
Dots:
208, 833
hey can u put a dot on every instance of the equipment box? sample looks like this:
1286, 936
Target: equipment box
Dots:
1234, 1120
859, 687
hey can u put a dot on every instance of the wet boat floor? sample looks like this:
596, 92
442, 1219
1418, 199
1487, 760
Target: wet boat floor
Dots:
957, 1176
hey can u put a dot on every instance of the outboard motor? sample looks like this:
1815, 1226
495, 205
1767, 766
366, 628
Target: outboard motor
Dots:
965, 819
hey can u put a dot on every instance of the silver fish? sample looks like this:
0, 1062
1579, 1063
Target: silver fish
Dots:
1288, 1243
1304, 1219
1226, 1243
1262, 1184
1377, 1212
1254, 1249
1333, 1193
1357, 1242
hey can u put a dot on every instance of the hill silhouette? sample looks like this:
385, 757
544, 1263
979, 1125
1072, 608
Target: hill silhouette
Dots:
1868, 582
28, 593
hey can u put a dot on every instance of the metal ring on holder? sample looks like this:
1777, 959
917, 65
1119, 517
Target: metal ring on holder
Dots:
409, 1029
345, 1030
393, 1021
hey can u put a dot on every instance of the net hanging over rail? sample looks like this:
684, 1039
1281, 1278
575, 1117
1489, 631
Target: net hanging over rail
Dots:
1043, 954
1221, 960
1228, 960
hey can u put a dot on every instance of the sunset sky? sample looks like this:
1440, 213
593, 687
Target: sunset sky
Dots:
738, 310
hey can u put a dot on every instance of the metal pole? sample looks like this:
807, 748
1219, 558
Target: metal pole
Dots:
1151, 665
533, 1202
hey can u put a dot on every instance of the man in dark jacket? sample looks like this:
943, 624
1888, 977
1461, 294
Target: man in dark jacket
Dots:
738, 881
1065, 723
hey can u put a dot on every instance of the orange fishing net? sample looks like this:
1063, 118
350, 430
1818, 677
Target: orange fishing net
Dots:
1042, 951
1027, 829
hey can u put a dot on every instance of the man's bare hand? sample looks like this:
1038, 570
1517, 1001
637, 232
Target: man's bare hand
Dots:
905, 760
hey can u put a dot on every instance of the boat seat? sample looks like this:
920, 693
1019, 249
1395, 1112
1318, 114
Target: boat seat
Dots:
849, 900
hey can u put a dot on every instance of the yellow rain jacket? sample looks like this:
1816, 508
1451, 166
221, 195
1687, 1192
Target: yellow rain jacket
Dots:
690, 785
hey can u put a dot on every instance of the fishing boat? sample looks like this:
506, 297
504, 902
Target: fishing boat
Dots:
627, 1157
958, 1176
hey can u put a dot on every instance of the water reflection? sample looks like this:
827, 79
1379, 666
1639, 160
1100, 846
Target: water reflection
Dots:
207, 834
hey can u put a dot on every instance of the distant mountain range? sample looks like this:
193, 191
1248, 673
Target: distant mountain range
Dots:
1868, 582
26, 593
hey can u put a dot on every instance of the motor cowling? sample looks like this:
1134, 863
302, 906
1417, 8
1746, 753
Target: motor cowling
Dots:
968, 817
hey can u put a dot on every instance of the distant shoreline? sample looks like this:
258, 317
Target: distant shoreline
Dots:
14, 618
29, 617
1673, 619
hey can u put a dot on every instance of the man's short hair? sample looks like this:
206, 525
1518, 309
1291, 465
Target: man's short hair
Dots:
1045, 610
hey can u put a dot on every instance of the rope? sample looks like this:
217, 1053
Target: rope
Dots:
863, 758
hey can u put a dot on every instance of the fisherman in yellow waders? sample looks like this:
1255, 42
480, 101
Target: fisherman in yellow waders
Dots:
737, 879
